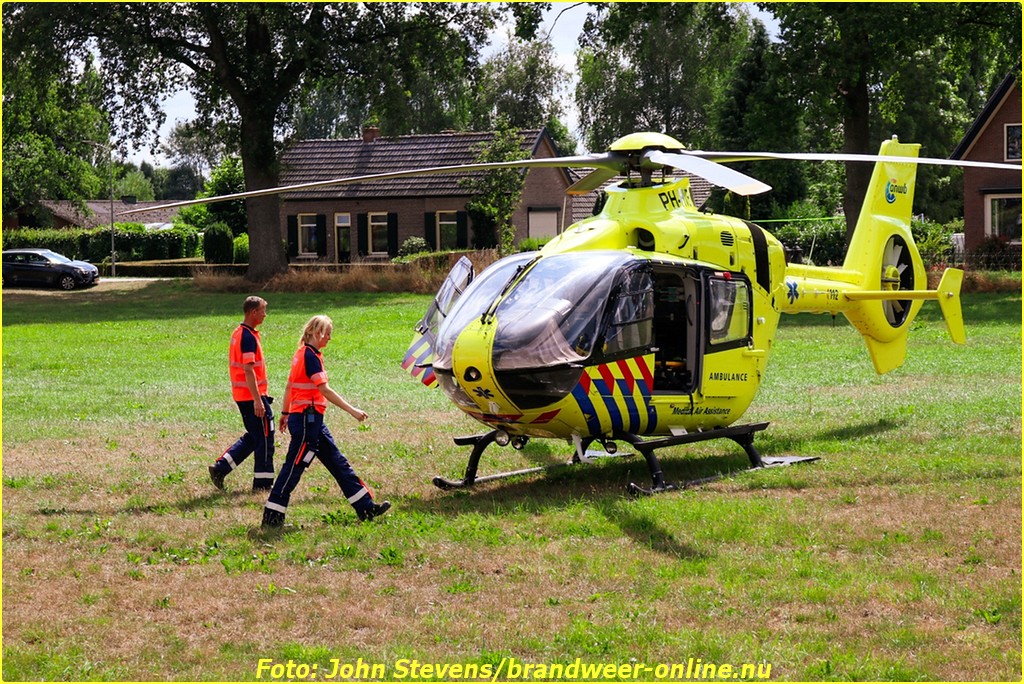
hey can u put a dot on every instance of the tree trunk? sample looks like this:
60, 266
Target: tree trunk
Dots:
267, 256
856, 46
856, 141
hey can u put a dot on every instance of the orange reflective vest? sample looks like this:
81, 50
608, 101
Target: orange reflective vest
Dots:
237, 361
303, 387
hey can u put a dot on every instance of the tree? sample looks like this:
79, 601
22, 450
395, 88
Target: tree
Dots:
496, 194
759, 112
848, 57
134, 183
48, 115
524, 83
246, 65
655, 67
194, 150
227, 178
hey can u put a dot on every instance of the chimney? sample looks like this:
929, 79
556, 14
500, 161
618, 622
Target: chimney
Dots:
370, 133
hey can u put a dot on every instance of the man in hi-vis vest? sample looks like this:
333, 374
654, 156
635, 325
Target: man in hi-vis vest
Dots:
248, 372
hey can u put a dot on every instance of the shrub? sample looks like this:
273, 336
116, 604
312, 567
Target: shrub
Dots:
934, 241
822, 238
131, 240
241, 249
413, 245
532, 244
218, 244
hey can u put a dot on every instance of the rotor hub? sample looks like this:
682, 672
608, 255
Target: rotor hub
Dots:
890, 278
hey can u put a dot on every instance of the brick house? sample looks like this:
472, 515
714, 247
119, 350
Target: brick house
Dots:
370, 221
992, 197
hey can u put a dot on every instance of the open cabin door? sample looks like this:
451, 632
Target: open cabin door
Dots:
419, 357
677, 339
702, 329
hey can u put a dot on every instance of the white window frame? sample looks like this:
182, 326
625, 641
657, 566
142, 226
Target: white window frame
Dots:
988, 213
306, 221
376, 221
450, 218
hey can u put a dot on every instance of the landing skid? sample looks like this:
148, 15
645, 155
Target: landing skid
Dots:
741, 434
766, 462
479, 443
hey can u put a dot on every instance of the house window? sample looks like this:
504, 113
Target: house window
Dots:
1011, 136
1003, 216
542, 223
343, 234
307, 235
447, 230
378, 228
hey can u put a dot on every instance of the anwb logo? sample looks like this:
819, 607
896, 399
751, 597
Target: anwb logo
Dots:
892, 189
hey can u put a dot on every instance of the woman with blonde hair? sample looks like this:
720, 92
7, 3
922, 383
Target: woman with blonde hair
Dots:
305, 399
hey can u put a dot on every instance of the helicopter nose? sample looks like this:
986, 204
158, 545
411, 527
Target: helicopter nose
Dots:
471, 364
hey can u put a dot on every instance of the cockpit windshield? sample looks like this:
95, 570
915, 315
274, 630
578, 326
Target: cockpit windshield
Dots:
474, 302
552, 314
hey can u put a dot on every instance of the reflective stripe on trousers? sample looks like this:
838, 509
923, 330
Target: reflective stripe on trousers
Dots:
310, 437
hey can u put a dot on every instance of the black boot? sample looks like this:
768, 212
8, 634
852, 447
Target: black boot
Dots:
217, 477
272, 520
373, 510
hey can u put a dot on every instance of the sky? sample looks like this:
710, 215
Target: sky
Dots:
563, 22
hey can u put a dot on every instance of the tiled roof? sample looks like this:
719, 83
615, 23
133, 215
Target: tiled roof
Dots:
97, 212
315, 160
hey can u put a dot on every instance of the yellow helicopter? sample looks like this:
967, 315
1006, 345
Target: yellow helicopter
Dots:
651, 322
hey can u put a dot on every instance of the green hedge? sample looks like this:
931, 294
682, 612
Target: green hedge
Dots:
131, 241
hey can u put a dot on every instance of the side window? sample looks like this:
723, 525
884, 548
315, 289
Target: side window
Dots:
343, 231
447, 230
378, 229
307, 234
631, 313
728, 312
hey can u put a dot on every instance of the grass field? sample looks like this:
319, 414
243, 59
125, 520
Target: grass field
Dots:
897, 556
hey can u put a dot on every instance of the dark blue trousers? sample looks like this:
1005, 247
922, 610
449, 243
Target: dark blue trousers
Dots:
258, 440
309, 438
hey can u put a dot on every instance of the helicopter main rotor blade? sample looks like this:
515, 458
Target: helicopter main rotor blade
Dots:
711, 171
613, 161
592, 181
724, 157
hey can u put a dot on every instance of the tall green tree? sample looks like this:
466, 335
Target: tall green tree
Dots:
134, 183
524, 84
195, 148
496, 194
655, 67
758, 111
246, 65
50, 119
227, 178
848, 58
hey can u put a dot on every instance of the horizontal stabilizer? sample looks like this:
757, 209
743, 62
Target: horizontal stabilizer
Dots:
949, 302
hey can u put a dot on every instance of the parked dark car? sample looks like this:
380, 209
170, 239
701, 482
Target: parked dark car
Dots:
43, 267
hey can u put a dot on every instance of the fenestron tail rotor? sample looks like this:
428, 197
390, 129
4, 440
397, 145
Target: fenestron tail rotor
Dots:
897, 275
